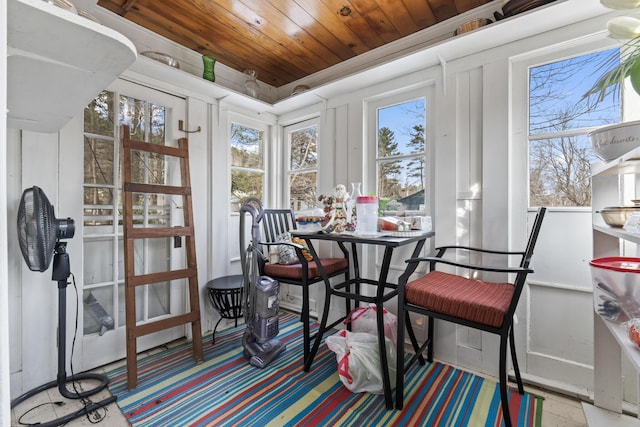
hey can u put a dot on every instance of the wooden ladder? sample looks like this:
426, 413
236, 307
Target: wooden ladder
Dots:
132, 233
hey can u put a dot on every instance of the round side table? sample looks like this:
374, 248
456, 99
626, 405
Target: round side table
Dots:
225, 294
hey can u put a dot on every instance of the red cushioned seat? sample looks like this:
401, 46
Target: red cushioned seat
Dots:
486, 306
470, 299
294, 271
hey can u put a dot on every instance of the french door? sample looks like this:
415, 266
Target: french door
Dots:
152, 117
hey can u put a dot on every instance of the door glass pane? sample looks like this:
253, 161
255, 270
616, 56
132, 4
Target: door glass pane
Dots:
98, 255
98, 210
98, 161
98, 310
159, 299
157, 131
133, 114
98, 116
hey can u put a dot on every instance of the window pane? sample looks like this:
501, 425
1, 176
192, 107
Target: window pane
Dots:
98, 161
244, 185
157, 131
98, 116
401, 128
160, 299
559, 120
401, 160
148, 168
94, 318
556, 89
246, 146
401, 184
98, 261
304, 148
559, 171
98, 210
303, 190
132, 113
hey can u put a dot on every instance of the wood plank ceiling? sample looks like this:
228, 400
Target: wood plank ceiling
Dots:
286, 40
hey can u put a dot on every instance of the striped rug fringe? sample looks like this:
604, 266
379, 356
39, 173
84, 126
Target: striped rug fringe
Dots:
224, 390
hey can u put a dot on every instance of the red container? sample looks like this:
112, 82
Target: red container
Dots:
616, 287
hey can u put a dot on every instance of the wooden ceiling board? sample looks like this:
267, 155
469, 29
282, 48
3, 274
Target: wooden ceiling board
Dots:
443, 9
354, 23
286, 40
377, 18
231, 35
316, 27
399, 16
420, 12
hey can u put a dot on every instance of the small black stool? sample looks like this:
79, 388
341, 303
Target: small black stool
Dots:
225, 294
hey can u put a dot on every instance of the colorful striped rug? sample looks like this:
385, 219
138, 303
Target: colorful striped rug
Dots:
225, 390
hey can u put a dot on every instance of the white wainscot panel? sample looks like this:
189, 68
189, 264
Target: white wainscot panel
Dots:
561, 335
564, 250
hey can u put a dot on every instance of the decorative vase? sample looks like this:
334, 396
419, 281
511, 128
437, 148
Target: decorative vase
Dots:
355, 190
209, 63
251, 84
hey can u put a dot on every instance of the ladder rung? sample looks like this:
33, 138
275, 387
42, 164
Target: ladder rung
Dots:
155, 148
142, 233
162, 324
135, 187
164, 276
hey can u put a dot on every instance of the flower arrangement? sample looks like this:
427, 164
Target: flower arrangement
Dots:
627, 30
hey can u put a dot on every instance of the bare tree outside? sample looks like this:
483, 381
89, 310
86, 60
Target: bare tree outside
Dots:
560, 118
303, 165
247, 164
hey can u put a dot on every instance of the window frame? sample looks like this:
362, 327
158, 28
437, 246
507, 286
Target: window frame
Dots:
287, 130
266, 158
520, 68
423, 91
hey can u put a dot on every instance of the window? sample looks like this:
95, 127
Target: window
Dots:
559, 120
401, 156
247, 164
302, 140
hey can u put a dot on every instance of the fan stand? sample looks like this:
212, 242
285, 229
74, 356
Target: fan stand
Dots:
61, 273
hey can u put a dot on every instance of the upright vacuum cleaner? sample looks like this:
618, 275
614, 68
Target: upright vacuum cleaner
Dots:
261, 301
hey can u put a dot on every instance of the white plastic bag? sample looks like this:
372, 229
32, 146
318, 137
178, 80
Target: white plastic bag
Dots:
363, 319
359, 361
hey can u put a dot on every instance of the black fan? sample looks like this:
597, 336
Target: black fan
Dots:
39, 234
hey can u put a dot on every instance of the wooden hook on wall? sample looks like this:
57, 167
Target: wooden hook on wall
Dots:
181, 127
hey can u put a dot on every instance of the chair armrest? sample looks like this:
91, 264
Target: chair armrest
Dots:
295, 245
442, 249
470, 266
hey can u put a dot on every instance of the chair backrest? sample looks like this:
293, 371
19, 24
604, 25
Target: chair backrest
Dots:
275, 222
533, 237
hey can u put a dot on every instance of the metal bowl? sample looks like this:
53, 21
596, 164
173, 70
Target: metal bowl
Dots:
616, 216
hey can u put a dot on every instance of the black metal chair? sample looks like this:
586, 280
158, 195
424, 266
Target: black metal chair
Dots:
275, 223
468, 301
